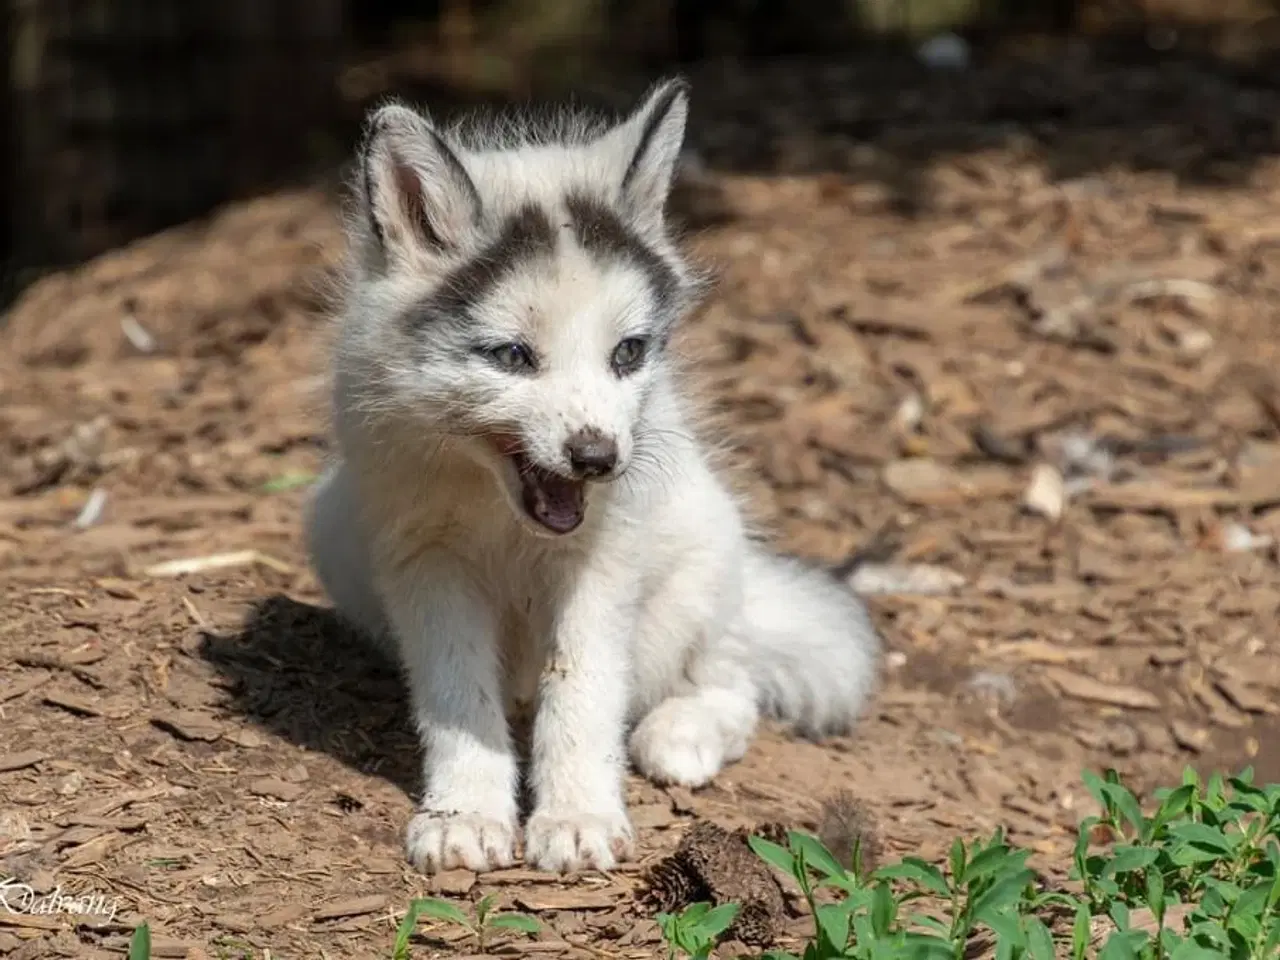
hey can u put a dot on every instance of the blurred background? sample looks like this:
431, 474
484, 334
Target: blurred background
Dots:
126, 116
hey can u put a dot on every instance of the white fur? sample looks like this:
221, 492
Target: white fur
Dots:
657, 618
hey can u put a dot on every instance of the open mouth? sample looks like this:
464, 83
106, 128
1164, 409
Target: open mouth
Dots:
554, 502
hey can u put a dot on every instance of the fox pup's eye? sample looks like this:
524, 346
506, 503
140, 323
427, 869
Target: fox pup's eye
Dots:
510, 356
629, 355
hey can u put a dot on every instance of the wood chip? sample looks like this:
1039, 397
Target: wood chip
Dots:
569, 899
20, 761
355, 907
1152, 495
276, 788
92, 852
289, 913
189, 725
453, 883
923, 482
123, 824
215, 561
652, 816
1244, 697
169, 947
1188, 736
29, 921
23, 686
1039, 651
72, 704
1096, 691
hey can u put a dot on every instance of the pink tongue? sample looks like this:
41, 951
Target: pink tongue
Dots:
554, 502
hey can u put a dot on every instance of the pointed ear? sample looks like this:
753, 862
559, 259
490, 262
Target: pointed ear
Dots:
647, 145
417, 196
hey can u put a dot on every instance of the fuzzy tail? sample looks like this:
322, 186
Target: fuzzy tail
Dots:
813, 650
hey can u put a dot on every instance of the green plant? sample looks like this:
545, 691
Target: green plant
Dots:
1198, 878
140, 942
485, 921
1211, 847
694, 929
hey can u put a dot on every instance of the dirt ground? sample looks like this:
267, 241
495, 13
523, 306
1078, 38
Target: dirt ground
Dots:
1009, 343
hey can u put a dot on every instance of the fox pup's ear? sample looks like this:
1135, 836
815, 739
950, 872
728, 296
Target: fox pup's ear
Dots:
648, 145
417, 195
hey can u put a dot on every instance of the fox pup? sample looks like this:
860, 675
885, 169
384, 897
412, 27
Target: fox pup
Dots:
521, 511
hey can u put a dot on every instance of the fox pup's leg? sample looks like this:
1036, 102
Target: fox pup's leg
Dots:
340, 559
447, 633
707, 712
578, 760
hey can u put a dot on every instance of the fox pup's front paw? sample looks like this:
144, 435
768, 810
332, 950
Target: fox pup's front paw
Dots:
444, 841
566, 841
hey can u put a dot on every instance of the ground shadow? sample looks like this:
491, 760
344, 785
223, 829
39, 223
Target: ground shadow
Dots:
886, 118
298, 671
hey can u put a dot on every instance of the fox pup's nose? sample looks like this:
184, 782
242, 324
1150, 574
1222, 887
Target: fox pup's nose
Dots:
591, 454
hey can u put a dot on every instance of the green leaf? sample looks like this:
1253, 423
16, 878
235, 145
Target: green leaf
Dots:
515, 921
1127, 805
441, 910
1126, 859
815, 854
718, 920
833, 924
1007, 927
1039, 940
931, 923
987, 862
1203, 836
400, 951
1209, 930
1123, 945
1119, 913
925, 875
1003, 893
1080, 932
956, 860
140, 942
1190, 950
920, 946
883, 909
1097, 789
482, 908
1173, 805
1188, 854
772, 854
1155, 893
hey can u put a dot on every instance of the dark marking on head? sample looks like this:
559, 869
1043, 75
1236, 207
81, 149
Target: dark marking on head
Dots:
603, 234
526, 235
659, 113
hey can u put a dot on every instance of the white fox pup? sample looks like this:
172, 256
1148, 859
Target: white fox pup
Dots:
521, 511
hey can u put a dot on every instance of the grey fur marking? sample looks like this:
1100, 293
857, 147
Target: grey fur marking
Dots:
603, 234
526, 234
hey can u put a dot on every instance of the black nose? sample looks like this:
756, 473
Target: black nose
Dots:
591, 453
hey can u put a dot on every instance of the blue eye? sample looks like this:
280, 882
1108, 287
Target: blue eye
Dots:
629, 355
515, 357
